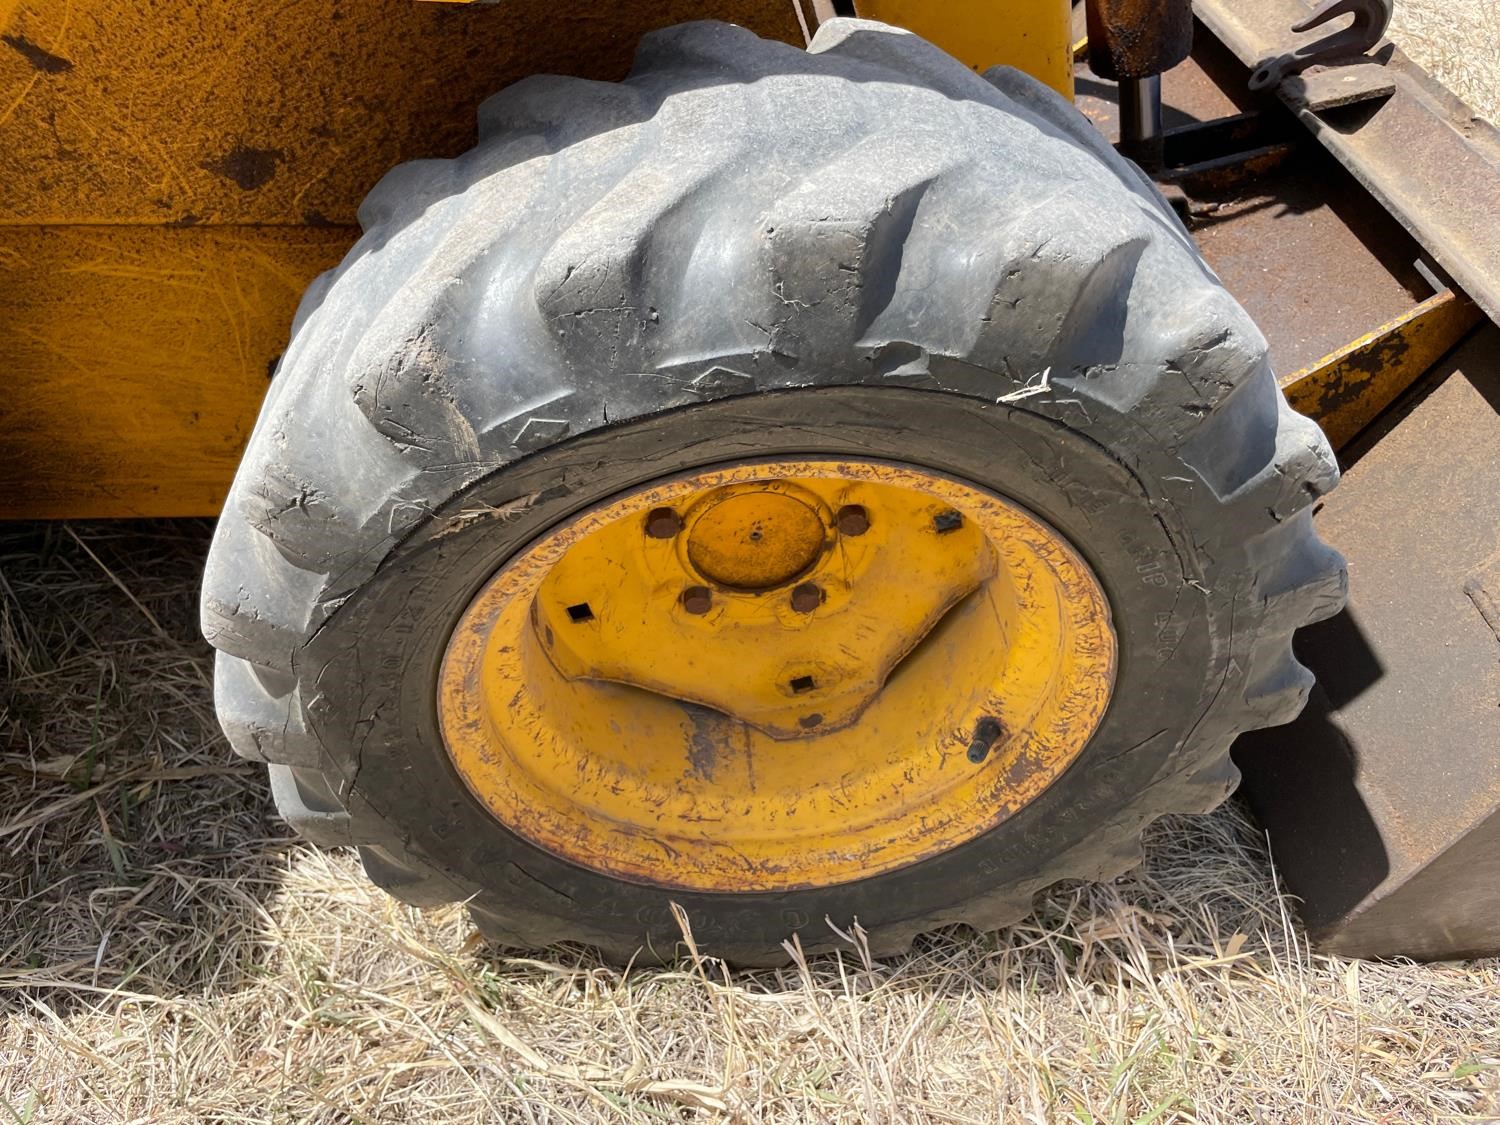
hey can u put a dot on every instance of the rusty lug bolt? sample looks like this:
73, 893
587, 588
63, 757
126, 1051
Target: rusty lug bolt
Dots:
662, 523
806, 598
945, 522
852, 519
986, 731
697, 599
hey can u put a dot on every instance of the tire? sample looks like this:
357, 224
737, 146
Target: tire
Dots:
745, 250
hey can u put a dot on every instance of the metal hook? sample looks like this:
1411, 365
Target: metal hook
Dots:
1371, 18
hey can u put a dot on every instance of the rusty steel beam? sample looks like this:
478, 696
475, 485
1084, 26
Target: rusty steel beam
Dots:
1345, 391
1416, 148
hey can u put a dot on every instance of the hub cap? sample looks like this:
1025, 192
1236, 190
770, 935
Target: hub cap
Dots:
776, 675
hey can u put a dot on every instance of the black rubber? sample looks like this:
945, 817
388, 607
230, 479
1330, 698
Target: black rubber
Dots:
744, 251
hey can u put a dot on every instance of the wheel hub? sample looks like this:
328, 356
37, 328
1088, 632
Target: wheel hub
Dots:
755, 539
759, 606
777, 675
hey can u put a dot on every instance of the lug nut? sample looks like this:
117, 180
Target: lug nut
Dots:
662, 523
697, 599
806, 598
852, 519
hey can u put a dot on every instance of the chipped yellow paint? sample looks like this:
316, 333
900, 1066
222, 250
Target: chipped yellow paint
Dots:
977, 641
783, 597
1034, 36
1346, 390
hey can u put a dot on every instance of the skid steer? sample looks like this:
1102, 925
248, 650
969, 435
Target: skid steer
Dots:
789, 465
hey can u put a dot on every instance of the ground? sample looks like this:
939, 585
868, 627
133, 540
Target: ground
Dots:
1458, 43
170, 953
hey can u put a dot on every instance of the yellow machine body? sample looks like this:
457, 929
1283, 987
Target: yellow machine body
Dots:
1034, 35
176, 174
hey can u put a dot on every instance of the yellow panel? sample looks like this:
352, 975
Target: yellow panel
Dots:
136, 359
1031, 35
150, 134
154, 111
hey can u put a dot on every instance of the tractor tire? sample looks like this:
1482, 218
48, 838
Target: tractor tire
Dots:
742, 254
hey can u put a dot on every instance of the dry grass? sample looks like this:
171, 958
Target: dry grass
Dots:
170, 955
1458, 43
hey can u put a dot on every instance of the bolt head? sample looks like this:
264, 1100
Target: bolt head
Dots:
852, 519
697, 599
662, 523
806, 598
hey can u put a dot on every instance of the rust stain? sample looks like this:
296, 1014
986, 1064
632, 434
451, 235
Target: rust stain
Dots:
38, 56
711, 730
248, 167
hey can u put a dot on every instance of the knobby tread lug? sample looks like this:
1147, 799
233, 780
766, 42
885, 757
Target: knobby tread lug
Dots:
739, 217
410, 878
307, 804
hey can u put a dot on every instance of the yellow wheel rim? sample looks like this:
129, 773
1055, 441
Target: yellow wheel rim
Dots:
777, 675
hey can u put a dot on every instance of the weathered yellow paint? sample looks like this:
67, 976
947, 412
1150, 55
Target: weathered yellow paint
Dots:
136, 359
784, 595
641, 780
1345, 391
756, 537
1035, 35
170, 172
221, 111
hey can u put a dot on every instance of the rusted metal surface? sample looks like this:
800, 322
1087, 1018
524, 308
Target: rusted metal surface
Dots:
1371, 18
1332, 87
1381, 800
1419, 151
807, 597
1311, 257
1346, 390
852, 519
1138, 38
1213, 159
1314, 259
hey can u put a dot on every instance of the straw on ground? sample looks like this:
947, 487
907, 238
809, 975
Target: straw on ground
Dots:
168, 953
